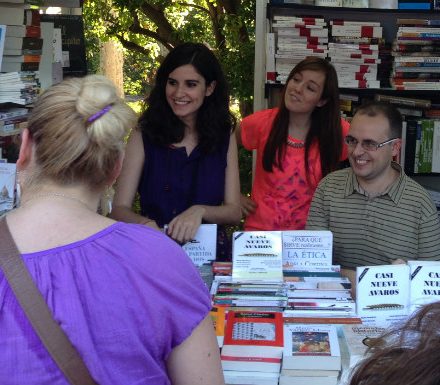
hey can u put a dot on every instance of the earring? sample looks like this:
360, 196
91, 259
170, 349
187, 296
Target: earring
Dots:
106, 201
17, 190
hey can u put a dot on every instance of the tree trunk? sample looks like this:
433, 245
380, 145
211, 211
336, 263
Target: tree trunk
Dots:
111, 63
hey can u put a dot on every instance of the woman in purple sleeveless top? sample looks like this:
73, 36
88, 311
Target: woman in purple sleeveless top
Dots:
182, 159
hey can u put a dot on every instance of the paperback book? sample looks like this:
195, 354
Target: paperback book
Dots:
202, 249
7, 186
253, 341
382, 291
307, 249
359, 338
257, 255
424, 283
311, 347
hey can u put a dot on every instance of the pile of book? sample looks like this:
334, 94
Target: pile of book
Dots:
311, 355
416, 52
19, 88
12, 119
295, 38
253, 294
253, 347
319, 294
354, 52
23, 43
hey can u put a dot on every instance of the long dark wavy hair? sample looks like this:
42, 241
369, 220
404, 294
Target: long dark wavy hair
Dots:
325, 123
407, 355
214, 120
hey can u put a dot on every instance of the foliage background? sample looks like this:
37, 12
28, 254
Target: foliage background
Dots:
147, 29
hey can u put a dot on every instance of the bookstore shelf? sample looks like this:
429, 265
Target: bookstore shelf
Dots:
267, 92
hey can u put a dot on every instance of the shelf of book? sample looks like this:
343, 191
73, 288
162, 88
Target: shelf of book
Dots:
393, 72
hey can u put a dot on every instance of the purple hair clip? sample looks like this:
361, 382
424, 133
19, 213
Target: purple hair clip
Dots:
99, 113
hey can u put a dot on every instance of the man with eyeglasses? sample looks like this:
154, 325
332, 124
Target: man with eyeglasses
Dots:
378, 215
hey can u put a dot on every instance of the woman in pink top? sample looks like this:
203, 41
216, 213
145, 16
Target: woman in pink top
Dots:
297, 144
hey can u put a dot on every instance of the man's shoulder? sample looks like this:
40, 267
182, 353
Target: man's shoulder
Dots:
417, 193
339, 177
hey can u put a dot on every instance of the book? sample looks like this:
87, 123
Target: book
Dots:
270, 57
382, 289
233, 377
404, 101
218, 316
23, 31
23, 43
253, 341
307, 249
341, 305
309, 379
202, 248
257, 255
311, 347
356, 31
73, 45
424, 283
2, 42
7, 186
19, 66
359, 338
11, 14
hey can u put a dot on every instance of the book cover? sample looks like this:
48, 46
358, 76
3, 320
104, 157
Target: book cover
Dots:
435, 167
218, 316
23, 31
2, 42
257, 255
309, 379
73, 45
382, 289
233, 377
7, 186
359, 338
253, 341
311, 347
12, 14
307, 249
424, 283
202, 248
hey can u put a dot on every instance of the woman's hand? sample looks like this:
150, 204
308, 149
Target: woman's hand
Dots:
247, 205
183, 228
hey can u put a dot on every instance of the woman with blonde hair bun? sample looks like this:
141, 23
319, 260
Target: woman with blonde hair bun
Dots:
107, 284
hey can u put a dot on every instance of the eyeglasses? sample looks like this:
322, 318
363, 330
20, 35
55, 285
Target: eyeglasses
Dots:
367, 144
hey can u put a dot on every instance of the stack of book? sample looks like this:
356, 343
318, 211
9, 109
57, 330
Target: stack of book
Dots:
358, 339
311, 355
354, 52
19, 88
319, 296
253, 347
23, 43
254, 294
296, 38
12, 120
416, 52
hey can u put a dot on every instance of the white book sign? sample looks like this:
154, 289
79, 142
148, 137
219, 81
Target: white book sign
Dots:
382, 290
307, 249
257, 255
202, 248
424, 284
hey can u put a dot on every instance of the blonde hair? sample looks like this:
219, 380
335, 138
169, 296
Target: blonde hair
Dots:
73, 141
